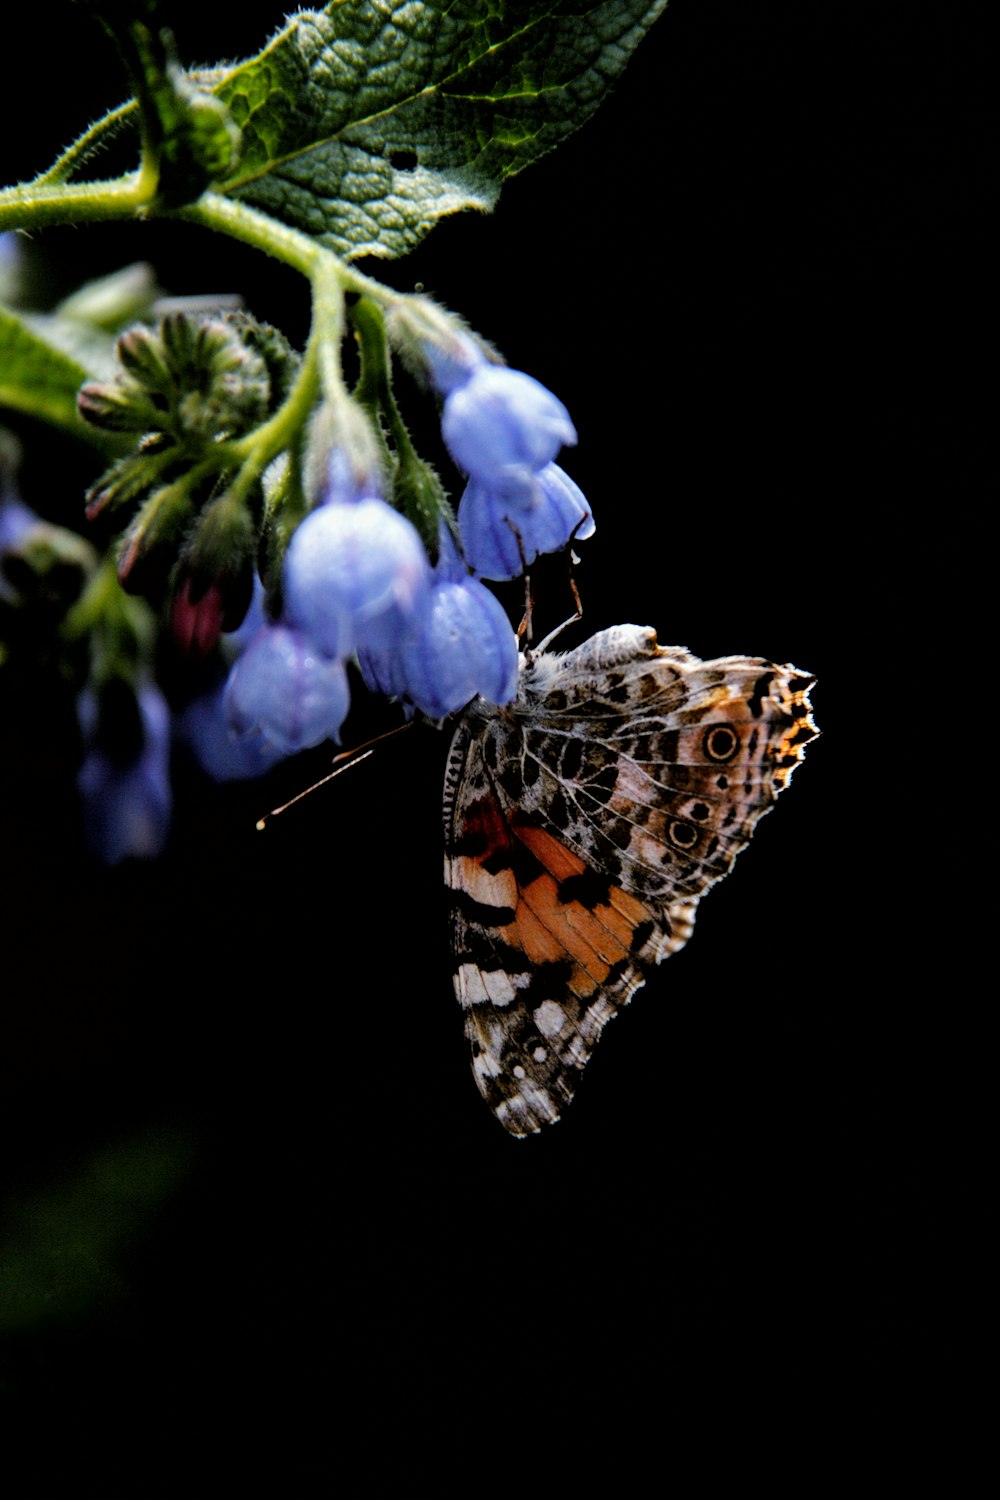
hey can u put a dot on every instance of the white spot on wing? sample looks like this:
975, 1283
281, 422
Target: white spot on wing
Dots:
498, 987
549, 1018
471, 990
530, 1106
486, 1065
497, 889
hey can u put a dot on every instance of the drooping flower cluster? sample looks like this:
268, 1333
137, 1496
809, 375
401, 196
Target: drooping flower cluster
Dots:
354, 573
235, 438
356, 580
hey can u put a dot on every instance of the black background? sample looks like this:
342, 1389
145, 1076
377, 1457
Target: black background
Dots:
757, 279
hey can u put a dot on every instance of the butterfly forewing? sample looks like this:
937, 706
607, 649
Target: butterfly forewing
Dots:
582, 825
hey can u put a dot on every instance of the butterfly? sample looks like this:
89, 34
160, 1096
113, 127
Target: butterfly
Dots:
583, 823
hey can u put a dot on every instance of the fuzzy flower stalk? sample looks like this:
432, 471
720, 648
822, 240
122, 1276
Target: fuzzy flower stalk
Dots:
359, 580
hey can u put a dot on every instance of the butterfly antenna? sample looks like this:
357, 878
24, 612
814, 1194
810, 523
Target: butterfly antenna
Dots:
352, 758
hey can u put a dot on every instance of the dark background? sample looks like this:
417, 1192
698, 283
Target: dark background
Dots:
256, 1200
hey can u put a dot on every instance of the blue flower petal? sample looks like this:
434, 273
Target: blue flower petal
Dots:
355, 575
501, 538
127, 808
463, 646
382, 669
286, 690
501, 424
560, 514
489, 541
221, 754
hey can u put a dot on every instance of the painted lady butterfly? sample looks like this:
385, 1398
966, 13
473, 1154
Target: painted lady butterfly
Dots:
583, 822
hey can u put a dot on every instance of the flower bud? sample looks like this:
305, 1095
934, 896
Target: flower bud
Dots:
125, 482
215, 575
195, 378
142, 356
116, 408
196, 623
150, 544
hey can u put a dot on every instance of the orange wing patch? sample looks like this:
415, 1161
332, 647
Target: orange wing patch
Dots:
549, 926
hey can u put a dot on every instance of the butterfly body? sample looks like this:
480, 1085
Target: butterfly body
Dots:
583, 822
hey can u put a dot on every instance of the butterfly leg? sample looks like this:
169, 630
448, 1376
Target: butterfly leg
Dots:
524, 629
570, 558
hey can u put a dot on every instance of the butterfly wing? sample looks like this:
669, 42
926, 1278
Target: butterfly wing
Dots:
546, 949
583, 825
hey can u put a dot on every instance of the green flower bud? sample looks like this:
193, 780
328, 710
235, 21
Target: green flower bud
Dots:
123, 485
142, 356
149, 546
116, 408
219, 555
281, 360
196, 379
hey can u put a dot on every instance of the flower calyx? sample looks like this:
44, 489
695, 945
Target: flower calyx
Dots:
190, 389
195, 380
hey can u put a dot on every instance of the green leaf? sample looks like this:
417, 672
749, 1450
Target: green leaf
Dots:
44, 359
364, 123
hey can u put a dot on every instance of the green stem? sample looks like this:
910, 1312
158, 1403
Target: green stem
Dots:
35, 205
252, 453
277, 430
92, 139
48, 201
227, 216
328, 324
52, 202
375, 389
302, 253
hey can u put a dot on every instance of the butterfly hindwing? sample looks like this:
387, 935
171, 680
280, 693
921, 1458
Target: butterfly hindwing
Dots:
583, 823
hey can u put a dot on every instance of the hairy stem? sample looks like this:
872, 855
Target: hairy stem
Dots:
36, 205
